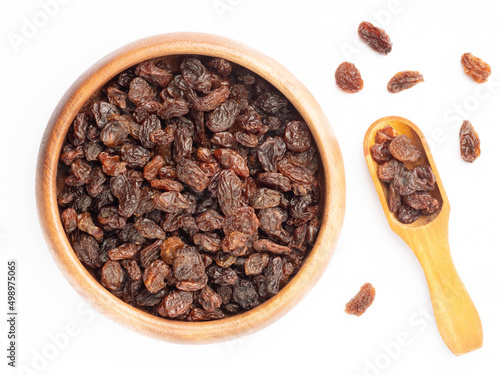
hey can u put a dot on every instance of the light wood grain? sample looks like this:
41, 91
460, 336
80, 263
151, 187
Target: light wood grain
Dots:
333, 184
456, 316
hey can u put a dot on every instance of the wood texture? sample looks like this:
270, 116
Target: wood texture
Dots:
333, 182
456, 316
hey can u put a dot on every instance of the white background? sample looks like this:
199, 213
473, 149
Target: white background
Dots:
311, 38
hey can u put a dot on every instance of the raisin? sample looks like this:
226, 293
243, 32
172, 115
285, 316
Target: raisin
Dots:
476, 68
222, 276
69, 218
149, 229
245, 295
154, 74
255, 263
269, 246
303, 159
242, 220
375, 37
235, 243
209, 221
270, 221
422, 201
101, 111
86, 224
188, 264
271, 102
196, 75
394, 200
87, 249
380, 152
229, 192
175, 304
246, 139
275, 181
265, 198
151, 125
207, 242
386, 134
167, 184
183, 143
405, 182
140, 91
273, 273
250, 121
171, 202
425, 178
295, 173
117, 97
132, 268
169, 249
224, 139
361, 301
126, 188
209, 299
403, 149
407, 214
404, 80
112, 275
230, 159
155, 274
111, 165
135, 156
348, 78
297, 136
270, 153
470, 146
221, 66
388, 170
190, 173
224, 116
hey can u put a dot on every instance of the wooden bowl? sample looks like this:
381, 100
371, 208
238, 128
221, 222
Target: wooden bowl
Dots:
333, 185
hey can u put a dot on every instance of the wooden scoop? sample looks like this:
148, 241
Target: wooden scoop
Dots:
456, 316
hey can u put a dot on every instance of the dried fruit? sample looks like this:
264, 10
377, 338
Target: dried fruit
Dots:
404, 80
348, 78
361, 301
297, 136
475, 67
375, 37
170, 171
403, 149
470, 146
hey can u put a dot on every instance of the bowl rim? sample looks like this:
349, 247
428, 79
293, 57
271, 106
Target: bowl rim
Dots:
118, 310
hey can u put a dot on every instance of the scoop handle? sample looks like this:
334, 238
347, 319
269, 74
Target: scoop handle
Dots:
456, 316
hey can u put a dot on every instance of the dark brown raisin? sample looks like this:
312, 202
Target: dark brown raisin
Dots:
375, 37
403, 149
404, 80
361, 301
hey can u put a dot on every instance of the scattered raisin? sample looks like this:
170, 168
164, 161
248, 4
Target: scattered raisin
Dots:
404, 80
361, 301
375, 37
470, 146
348, 78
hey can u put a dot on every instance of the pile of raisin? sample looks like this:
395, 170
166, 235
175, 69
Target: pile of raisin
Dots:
191, 188
410, 190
